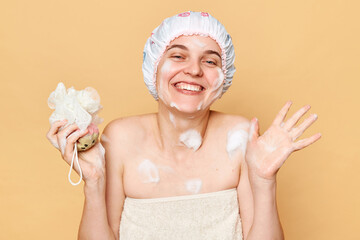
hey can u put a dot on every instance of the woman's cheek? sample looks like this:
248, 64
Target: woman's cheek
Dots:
164, 74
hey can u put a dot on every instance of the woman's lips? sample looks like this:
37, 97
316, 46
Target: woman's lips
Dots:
188, 88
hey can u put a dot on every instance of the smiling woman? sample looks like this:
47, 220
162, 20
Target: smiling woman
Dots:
186, 172
189, 74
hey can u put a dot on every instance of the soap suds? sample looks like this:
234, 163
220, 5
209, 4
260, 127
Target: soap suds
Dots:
236, 140
149, 172
199, 106
198, 42
193, 185
62, 145
219, 83
164, 69
251, 131
191, 139
172, 119
172, 104
104, 138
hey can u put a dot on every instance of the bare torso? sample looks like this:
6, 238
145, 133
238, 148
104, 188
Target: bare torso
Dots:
151, 171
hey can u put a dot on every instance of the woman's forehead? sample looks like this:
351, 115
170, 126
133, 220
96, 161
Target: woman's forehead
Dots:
196, 41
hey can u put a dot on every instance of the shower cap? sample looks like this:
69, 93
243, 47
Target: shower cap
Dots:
187, 23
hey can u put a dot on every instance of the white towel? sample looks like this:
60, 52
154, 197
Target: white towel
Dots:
192, 217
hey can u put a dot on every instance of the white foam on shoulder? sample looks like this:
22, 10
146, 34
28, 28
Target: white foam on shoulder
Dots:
236, 140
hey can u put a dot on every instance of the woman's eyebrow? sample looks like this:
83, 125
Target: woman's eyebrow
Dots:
177, 46
185, 48
212, 52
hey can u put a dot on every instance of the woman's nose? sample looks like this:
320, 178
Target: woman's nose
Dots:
194, 68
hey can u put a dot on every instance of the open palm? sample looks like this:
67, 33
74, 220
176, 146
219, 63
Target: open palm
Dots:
265, 154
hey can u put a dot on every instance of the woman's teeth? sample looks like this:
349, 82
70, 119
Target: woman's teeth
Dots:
188, 87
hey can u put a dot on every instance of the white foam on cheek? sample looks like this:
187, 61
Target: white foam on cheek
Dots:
172, 104
236, 140
218, 84
191, 139
193, 185
220, 79
164, 69
172, 119
199, 106
149, 172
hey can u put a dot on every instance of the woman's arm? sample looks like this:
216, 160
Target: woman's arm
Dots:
104, 199
264, 156
94, 223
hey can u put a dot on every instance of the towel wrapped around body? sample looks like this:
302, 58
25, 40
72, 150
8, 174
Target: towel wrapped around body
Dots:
192, 217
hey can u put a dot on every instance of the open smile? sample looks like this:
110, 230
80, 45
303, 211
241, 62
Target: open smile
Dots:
188, 88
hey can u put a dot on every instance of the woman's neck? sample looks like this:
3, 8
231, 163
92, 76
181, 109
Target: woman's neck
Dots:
178, 131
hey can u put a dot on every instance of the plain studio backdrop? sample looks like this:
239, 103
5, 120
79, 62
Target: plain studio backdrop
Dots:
305, 51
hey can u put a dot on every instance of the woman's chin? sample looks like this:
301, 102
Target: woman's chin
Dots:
188, 109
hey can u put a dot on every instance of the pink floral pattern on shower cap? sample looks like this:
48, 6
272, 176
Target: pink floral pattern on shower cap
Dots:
184, 14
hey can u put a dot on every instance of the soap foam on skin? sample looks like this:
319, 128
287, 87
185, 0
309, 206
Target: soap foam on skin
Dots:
199, 106
149, 172
217, 88
172, 104
193, 185
236, 140
172, 119
191, 139
198, 43
104, 138
62, 145
164, 69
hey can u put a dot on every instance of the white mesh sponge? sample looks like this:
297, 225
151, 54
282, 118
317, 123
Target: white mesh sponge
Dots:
187, 23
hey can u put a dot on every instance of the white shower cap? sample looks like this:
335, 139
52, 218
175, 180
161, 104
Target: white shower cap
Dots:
187, 23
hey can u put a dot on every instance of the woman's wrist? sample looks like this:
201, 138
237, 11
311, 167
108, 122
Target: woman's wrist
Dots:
97, 186
260, 183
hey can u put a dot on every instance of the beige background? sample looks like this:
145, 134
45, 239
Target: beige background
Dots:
306, 51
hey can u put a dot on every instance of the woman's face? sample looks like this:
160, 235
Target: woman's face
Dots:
189, 75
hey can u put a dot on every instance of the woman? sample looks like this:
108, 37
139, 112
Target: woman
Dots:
185, 172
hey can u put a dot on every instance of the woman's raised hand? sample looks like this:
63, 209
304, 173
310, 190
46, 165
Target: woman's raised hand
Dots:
265, 154
92, 161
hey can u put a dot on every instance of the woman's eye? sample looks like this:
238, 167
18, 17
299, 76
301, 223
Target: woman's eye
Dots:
211, 62
177, 56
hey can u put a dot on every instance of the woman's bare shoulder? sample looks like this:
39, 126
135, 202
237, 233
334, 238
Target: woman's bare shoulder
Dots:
127, 128
229, 121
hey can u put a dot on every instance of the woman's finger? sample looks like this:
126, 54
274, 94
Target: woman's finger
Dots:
298, 131
282, 114
306, 142
289, 124
54, 128
63, 134
70, 142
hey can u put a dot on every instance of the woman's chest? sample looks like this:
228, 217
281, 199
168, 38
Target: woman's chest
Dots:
152, 174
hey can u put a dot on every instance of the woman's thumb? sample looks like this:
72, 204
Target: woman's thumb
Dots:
254, 129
